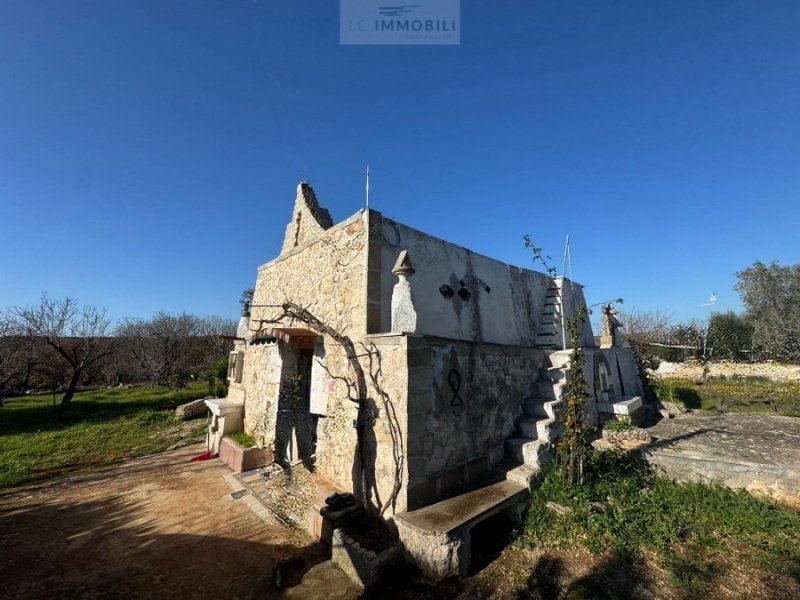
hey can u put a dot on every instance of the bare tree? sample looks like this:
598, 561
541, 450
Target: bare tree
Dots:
214, 336
13, 354
79, 335
645, 327
159, 344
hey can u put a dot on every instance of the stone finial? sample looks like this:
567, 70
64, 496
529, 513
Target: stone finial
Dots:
610, 334
403, 267
404, 315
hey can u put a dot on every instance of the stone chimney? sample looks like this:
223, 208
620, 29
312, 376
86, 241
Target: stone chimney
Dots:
309, 219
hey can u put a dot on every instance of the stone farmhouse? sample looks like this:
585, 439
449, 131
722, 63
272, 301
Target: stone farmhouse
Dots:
463, 363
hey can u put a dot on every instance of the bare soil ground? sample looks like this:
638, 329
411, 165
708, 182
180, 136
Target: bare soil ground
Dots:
155, 527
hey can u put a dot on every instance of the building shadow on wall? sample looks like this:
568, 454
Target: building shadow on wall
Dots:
368, 455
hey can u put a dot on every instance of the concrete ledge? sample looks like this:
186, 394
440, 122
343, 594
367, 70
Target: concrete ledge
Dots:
621, 407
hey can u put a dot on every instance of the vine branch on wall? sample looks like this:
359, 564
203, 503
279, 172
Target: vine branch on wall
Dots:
357, 393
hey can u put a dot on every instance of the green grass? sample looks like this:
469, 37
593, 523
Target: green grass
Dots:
690, 528
614, 425
243, 439
740, 394
38, 441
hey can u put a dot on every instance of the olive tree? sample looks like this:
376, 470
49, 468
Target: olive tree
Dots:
771, 296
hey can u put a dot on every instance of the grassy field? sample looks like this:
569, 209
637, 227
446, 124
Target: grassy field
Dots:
693, 531
739, 394
38, 441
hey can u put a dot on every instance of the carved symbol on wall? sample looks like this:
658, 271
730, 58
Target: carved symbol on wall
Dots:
454, 381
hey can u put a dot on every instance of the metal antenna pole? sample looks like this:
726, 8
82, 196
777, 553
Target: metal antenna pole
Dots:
563, 303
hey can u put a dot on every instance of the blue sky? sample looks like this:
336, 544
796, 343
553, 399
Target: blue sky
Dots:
149, 151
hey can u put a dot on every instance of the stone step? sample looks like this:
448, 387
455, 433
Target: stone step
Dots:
524, 450
542, 409
560, 358
547, 430
544, 390
526, 426
550, 339
522, 474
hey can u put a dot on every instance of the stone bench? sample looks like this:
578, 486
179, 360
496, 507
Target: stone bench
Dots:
437, 537
628, 408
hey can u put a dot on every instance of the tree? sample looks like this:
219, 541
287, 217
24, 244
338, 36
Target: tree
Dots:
159, 345
246, 298
771, 296
77, 334
729, 335
644, 327
14, 347
214, 338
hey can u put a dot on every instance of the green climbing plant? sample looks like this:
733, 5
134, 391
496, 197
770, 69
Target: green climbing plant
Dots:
573, 447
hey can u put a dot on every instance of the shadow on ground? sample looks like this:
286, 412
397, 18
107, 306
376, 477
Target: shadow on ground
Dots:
147, 530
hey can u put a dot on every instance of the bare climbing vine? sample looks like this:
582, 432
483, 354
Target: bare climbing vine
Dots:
357, 392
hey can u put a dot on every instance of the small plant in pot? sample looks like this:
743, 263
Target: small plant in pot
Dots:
239, 451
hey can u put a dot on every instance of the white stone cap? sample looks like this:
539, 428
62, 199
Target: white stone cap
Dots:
222, 406
623, 407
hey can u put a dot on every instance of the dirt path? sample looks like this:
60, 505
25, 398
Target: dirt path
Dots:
156, 527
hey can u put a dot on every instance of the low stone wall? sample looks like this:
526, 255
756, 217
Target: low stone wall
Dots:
191, 410
756, 452
362, 565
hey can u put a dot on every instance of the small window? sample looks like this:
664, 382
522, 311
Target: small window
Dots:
235, 360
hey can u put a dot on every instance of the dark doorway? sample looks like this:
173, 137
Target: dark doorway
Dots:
296, 429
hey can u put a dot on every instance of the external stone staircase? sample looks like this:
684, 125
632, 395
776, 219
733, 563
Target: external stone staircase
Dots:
540, 423
548, 334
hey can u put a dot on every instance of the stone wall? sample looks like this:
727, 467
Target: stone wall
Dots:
328, 276
484, 300
462, 404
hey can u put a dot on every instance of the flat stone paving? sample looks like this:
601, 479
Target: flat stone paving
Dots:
758, 452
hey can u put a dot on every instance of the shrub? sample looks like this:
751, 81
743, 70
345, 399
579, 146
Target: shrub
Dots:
729, 335
217, 377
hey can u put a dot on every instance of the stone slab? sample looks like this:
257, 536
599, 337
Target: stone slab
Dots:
464, 510
623, 407
757, 452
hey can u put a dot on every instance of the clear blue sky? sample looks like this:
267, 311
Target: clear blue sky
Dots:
149, 151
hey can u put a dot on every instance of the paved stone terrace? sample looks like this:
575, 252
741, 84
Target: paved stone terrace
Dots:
760, 453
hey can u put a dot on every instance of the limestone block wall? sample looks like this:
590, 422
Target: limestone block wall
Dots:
329, 276
487, 300
463, 400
